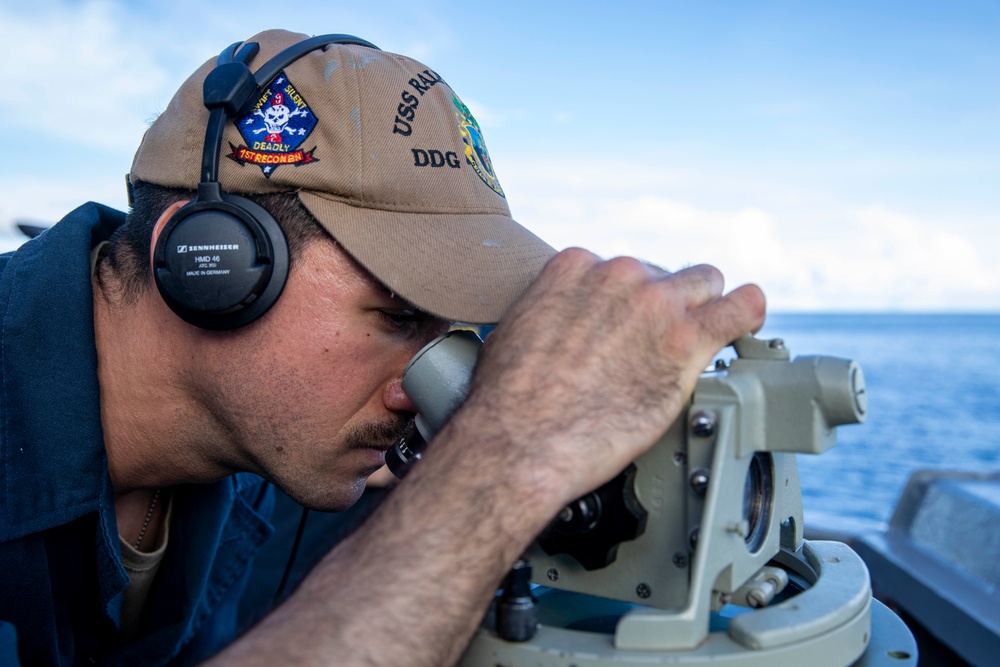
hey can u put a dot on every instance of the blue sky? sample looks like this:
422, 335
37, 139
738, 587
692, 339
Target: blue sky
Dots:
843, 155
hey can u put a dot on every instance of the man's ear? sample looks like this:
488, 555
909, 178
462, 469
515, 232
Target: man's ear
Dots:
161, 222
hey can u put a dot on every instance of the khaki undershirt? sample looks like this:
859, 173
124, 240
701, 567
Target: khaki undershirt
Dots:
141, 568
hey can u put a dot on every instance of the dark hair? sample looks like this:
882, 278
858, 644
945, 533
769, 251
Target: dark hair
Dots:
128, 251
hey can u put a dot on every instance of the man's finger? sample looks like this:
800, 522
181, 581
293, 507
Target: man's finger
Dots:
740, 312
699, 284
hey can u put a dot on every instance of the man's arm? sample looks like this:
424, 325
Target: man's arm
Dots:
582, 376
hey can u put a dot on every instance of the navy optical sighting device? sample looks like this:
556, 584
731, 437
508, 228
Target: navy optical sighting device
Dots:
695, 552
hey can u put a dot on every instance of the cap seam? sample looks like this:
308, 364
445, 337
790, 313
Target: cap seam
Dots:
361, 135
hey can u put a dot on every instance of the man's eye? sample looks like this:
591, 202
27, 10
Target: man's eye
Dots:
404, 318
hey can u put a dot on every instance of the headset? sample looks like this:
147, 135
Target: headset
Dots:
221, 261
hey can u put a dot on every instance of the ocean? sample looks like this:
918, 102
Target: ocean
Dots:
933, 386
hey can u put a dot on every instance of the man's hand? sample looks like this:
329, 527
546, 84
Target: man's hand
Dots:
596, 360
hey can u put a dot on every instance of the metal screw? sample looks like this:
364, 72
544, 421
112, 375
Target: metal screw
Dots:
643, 591
721, 364
693, 538
680, 457
552, 574
703, 424
776, 344
699, 480
680, 560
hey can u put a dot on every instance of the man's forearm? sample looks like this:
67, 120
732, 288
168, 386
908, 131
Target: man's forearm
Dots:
412, 584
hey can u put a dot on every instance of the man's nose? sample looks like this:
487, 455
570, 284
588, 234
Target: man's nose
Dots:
395, 398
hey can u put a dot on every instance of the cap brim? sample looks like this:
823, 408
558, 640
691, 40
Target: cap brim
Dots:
461, 267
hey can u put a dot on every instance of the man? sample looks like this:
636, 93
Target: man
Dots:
128, 519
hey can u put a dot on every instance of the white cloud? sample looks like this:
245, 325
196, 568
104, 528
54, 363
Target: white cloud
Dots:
870, 258
914, 260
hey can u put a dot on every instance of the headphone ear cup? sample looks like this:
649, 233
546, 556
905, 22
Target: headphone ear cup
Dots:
220, 265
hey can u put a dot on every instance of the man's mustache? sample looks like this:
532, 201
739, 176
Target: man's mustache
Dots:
378, 435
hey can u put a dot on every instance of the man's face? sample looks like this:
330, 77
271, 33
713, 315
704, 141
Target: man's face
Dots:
310, 396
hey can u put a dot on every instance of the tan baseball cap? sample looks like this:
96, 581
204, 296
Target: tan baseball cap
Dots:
384, 154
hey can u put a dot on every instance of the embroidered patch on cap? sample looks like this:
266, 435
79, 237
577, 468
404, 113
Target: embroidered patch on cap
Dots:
475, 147
275, 129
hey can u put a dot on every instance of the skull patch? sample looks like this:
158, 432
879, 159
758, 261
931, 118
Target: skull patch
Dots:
275, 129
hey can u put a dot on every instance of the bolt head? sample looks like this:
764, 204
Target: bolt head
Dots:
643, 591
552, 574
699, 481
703, 424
